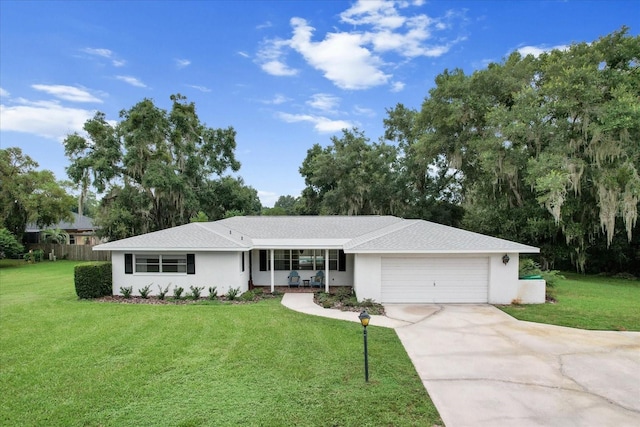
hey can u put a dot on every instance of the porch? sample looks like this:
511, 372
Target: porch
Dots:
304, 290
271, 268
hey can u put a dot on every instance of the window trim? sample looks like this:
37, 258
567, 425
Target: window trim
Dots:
185, 263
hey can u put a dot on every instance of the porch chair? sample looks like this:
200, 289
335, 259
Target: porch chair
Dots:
317, 280
293, 279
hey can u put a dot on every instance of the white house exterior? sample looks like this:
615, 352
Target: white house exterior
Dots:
384, 258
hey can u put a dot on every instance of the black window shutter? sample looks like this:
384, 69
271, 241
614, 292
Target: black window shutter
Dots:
128, 263
342, 261
263, 260
191, 263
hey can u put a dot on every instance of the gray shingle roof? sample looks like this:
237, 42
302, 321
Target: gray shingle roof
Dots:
80, 222
417, 236
307, 227
382, 234
194, 236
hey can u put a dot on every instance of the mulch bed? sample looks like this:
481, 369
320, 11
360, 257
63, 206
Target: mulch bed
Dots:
170, 300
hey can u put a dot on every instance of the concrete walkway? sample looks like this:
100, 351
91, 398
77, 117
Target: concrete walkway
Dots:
482, 367
304, 304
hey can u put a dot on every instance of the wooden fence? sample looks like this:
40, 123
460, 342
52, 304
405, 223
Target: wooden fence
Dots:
73, 252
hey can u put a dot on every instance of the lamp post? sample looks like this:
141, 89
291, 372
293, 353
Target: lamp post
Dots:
364, 319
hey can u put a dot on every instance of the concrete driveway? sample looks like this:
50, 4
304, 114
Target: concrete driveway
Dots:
481, 367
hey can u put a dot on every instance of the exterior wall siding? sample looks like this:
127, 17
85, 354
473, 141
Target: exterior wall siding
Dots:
503, 286
220, 269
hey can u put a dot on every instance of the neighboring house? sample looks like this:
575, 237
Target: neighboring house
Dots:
384, 258
81, 231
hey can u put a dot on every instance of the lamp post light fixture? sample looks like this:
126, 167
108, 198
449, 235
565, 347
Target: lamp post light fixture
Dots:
505, 259
364, 320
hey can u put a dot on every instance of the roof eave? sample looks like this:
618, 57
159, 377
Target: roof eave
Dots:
443, 251
174, 249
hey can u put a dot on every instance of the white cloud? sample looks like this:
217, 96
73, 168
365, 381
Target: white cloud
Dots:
68, 93
4, 93
397, 86
379, 13
277, 100
182, 63
243, 54
105, 53
131, 80
200, 88
277, 68
340, 56
324, 102
539, 50
48, 119
267, 24
320, 124
355, 59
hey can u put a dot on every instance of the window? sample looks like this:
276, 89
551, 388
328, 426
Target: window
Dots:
174, 264
147, 263
282, 259
302, 259
242, 261
160, 264
333, 259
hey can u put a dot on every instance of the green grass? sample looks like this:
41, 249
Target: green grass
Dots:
65, 362
588, 302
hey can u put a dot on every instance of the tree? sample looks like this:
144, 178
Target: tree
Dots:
200, 217
288, 203
56, 236
349, 177
28, 195
157, 168
229, 194
428, 184
274, 211
545, 150
9, 246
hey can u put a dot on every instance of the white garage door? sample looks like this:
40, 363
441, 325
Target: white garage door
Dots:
435, 280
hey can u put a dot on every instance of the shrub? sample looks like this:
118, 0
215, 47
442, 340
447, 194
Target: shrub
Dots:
344, 293
195, 291
144, 292
34, 256
9, 246
127, 291
258, 291
248, 296
213, 292
232, 293
177, 292
93, 279
163, 292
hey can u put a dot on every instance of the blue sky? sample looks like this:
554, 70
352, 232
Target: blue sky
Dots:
284, 74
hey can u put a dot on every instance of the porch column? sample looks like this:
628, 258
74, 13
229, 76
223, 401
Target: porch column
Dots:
326, 270
271, 266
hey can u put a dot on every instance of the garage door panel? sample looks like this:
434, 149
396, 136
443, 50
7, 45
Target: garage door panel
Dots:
435, 280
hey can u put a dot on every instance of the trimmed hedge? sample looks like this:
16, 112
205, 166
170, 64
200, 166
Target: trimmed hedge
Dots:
93, 279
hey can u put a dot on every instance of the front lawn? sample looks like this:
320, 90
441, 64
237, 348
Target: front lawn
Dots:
587, 302
65, 362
